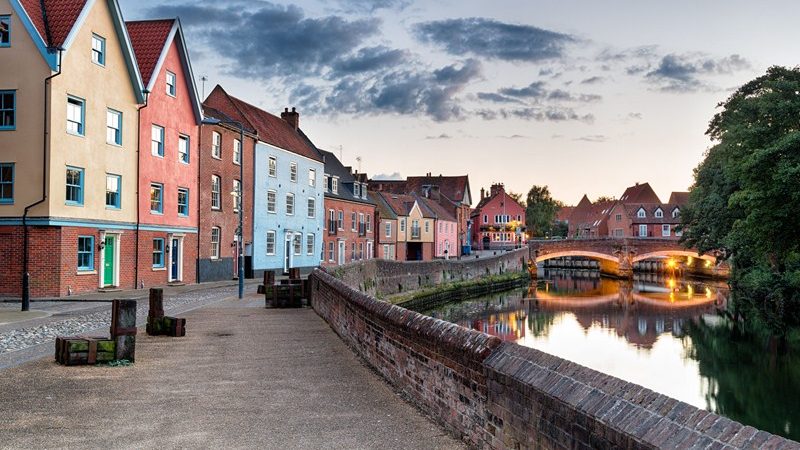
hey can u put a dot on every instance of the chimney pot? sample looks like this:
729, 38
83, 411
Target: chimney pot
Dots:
292, 117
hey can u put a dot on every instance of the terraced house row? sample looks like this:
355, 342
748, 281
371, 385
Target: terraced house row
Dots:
115, 174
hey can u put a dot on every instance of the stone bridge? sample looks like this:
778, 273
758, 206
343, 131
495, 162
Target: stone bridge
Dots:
616, 255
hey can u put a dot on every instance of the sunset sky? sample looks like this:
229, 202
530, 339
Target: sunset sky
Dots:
582, 96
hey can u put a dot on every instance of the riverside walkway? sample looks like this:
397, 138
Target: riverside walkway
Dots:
243, 377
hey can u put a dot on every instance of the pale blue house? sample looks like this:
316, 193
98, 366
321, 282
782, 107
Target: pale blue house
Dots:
288, 206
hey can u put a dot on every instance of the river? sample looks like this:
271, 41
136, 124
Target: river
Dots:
660, 332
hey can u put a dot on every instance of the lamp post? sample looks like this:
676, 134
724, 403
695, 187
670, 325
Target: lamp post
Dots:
240, 229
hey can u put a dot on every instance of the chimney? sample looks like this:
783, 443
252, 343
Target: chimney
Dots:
497, 188
483, 193
292, 117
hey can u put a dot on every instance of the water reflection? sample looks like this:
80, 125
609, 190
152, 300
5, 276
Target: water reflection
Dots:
662, 333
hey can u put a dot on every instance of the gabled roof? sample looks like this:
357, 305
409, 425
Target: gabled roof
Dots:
385, 211
402, 204
270, 129
439, 211
564, 214
55, 26
151, 41
639, 193
679, 198
650, 208
455, 188
334, 167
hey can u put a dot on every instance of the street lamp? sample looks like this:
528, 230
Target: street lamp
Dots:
240, 229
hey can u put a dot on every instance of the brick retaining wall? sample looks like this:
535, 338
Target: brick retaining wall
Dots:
501, 395
381, 277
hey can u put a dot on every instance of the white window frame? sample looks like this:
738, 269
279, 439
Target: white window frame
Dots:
312, 208
388, 229
312, 177
215, 246
293, 172
310, 244
272, 165
666, 230
216, 194
659, 214
113, 129
274, 201
356, 190
289, 204
216, 145
642, 228
270, 234
237, 199
335, 185
641, 214
237, 152
297, 244
171, 88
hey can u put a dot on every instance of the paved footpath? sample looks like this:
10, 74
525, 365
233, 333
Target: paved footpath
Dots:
243, 377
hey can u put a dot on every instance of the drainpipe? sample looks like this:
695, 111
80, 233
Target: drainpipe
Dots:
26, 276
138, 200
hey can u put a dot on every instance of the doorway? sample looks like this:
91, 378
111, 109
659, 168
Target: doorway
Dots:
176, 259
342, 247
109, 261
287, 253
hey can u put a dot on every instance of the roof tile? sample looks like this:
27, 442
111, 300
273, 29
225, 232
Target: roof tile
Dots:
149, 38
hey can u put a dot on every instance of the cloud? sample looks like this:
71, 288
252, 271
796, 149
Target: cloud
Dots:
593, 138
681, 73
264, 40
370, 6
533, 90
544, 114
388, 177
635, 115
442, 136
369, 59
537, 92
593, 80
493, 39
497, 98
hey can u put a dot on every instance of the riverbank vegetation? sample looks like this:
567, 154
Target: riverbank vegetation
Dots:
745, 201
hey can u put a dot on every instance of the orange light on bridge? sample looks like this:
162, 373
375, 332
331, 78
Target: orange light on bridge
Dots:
671, 263
708, 264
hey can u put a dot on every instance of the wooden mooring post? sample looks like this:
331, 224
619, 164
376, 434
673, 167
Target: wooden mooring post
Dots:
123, 329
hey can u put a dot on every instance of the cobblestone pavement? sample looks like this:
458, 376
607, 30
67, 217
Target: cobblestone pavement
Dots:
78, 317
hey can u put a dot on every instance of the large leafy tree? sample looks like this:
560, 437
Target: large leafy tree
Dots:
746, 197
540, 211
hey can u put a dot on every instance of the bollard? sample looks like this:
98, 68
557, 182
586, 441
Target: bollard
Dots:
294, 273
123, 328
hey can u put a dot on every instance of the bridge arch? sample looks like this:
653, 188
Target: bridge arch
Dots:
668, 253
580, 253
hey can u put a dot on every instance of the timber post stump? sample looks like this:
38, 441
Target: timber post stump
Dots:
123, 329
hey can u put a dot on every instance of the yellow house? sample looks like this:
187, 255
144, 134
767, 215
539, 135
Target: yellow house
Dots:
415, 227
69, 146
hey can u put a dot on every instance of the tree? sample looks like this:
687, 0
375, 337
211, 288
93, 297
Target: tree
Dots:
541, 211
517, 197
605, 198
746, 197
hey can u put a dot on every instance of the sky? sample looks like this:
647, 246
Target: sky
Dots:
581, 96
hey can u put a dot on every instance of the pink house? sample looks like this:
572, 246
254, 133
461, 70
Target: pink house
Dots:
169, 130
498, 221
445, 230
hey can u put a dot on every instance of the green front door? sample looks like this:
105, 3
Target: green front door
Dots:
108, 265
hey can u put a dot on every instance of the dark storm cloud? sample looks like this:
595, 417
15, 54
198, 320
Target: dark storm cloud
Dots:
497, 98
682, 73
263, 40
546, 114
369, 59
533, 90
537, 91
493, 39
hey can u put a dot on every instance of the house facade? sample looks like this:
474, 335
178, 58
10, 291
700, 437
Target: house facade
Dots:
500, 221
75, 81
415, 227
349, 227
445, 231
386, 232
646, 220
169, 129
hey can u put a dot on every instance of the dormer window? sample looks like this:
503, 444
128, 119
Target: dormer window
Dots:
675, 213
641, 214
364, 191
335, 185
659, 213
98, 50
170, 84
356, 190
325, 181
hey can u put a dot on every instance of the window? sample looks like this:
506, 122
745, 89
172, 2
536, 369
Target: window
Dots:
312, 208
665, 230
388, 229
289, 204
85, 253
310, 244
158, 253
369, 223
331, 251
216, 232
237, 195
297, 243
386, 251
427, 226
216, 145
6, 183
619, 217
8, 110
335, 185
113, 127
325, 182
643, 230
331, 220
641, 213
485, 218
75, 116
113, 186
237, 151
357, 190
312, 177
5, 31
415, 228
216, 194
675, 213
170, 84
270, 243
157, 141
74, 186
156, 198
183, 149
353, 222
678, 232
360, 250
340, 222
98, 50
364, 191
272, 197
619, 232
353, 252
361, 226
293, 172
402, 225
183, 202
273, 166
659, 213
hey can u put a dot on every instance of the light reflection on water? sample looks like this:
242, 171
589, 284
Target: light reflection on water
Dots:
662, 333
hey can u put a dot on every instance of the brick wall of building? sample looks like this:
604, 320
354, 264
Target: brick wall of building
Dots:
501, 395
347, 233
149, 276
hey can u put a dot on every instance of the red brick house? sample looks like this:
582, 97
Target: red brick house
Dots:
386, 232
499, 221
349, 231
599, 219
